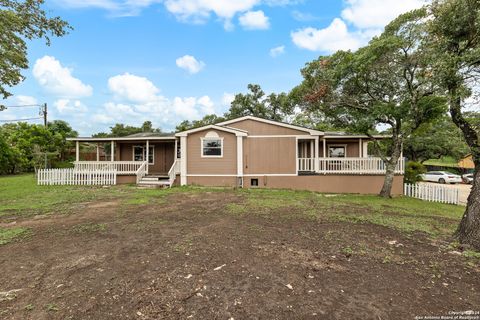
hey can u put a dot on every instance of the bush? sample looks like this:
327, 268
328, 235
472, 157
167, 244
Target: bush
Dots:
413, 170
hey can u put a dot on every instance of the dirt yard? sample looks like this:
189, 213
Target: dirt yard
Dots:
209, 255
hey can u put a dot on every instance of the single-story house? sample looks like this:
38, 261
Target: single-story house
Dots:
247, 152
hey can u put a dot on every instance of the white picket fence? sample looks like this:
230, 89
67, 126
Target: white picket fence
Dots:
432, 192
52, 177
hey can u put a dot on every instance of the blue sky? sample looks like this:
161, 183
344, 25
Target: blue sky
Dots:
169, 60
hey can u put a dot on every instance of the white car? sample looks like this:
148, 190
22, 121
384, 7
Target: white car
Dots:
468, 178
441, 177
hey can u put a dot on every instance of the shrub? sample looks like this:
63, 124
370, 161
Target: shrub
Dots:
413, 170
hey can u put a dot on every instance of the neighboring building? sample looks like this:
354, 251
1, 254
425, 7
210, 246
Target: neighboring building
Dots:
248, 152
466, 163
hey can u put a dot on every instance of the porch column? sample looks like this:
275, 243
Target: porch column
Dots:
112, 150
77, 150
239, 156
360, 155
148, 154
98, 151
183, 159
365, 149
175, 155
315, 165
324, 148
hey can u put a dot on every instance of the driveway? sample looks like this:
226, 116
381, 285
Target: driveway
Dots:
464, 191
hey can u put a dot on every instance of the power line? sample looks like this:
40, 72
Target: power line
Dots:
25, 119
24, 106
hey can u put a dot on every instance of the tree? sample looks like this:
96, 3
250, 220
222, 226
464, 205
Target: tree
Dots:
21, 21
439, 139
256, 103
454, 40
206, 120
122, 130
385, 83
61, 130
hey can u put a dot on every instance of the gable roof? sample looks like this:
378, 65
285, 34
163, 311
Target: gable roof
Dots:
237, 132
272, 122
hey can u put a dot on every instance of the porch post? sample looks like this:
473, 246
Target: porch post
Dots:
112, 150
183, 159
98, 151
239, 157
175, 151
148, 154
315, 165
324, 147
360, 155
77, 150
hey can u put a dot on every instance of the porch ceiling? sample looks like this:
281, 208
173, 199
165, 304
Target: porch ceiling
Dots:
126, 139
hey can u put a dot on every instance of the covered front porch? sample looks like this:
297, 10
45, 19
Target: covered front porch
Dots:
340, 155
145, 159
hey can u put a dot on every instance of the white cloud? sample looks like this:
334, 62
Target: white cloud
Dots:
190, 63
67, 106
138, 100
334, 37
254, 20
132, 88
277, 51
199, 11
227, 99
58, 80
366, 14
25, 100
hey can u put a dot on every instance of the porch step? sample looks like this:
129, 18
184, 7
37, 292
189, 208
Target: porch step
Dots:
150, 182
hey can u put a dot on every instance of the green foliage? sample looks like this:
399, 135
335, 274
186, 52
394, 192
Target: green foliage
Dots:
21, 21
206, 120
413, 170
436, 140
122, 130
26, 146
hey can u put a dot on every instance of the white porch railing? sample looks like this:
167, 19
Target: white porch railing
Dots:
141, 171
432, 192
122, 167
306, 164
72, 177
172, 173
348, 165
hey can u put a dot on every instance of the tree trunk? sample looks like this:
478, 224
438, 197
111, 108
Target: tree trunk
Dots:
468, 231
391, 164
386, 191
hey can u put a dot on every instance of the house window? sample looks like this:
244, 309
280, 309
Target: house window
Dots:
337, 151
253, 182
212, 145
140, 154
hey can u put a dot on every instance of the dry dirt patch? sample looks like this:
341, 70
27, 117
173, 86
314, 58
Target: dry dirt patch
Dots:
189, 258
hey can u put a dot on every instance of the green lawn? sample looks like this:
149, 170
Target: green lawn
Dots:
21, 198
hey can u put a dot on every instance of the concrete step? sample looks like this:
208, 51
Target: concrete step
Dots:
144, 182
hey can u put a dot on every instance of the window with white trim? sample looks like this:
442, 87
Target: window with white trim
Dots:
212, 145
140, 154
337, 151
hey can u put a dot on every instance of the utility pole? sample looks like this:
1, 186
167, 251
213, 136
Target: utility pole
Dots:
44, 113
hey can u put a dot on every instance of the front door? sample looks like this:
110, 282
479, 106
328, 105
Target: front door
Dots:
164, 157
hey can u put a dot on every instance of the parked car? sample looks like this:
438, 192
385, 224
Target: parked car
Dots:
468, 178
441, 177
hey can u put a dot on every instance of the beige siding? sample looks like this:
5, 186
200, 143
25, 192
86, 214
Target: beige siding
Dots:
269, 155
360, 184
257, 128
196, 164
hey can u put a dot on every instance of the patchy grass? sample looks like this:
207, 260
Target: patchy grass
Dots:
8, 235
22, 197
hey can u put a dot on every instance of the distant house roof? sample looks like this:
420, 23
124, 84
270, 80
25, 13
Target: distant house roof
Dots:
151, 134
